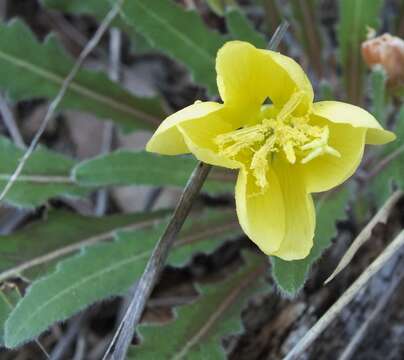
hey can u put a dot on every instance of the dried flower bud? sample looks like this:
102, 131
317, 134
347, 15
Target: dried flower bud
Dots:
388, 51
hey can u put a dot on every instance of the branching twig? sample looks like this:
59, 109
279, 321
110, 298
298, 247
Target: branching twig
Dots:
65, 85
391, 251
126, 329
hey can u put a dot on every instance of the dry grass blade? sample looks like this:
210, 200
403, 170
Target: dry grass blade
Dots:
364, 235
65, 85
388, 253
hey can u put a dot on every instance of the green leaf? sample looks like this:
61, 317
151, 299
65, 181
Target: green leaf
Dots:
199, 327
378, 78
45, 175
9, 296
29, 69
166, 26
291, 275
142, 168
60, 234
107, 269
392, 173
355, 18
179, 33
241, 29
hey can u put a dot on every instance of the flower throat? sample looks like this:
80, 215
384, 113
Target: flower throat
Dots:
283, 133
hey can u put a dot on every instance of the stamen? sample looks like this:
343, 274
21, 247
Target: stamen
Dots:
259, 162
290, 106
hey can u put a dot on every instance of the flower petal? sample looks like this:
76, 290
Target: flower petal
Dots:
246, 76
328, 171
300, 219
261, 216
342, 113
169, 140
280, 221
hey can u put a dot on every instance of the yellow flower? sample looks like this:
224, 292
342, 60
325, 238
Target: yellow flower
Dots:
284, 151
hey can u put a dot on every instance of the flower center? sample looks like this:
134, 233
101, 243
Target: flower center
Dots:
277, 133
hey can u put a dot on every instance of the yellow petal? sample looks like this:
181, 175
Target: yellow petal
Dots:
261, 216
300, 216
342, 113
328, 171
246, 76
168, 139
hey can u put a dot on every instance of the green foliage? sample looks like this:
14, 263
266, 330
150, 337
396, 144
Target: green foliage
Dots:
107, 269
141, 168
167, 27
392, 171
9, 296
378, 78
355, 18
241, 29
199, 327
179, 33
59, 232
291, 275
45, 175
29, 69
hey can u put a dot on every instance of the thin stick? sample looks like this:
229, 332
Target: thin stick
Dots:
157, 261
124, 334
310, 336
65, 85
364, 235
278, 35
108, 128
10, 123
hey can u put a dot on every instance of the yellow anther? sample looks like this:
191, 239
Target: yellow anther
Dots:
259, 162
291, 105
289, 152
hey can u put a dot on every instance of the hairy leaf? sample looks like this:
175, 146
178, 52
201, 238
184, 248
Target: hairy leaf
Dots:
29, 69
142, 168
60, 234
355, 18
291, 275
199, 327
9, 296
107, 269
241, 29
45, 175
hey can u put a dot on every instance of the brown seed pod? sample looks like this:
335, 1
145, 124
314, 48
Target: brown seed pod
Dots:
388, 51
